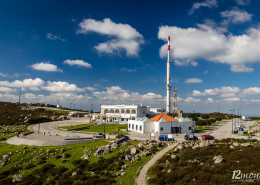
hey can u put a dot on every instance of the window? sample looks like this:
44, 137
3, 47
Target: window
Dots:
140, 128
129, 126
106, 111
189, 128
161, 128
112, 111
122, 119
133, 126
127, 111
122, 111
133, 111
116, 111
136, 127
133, 118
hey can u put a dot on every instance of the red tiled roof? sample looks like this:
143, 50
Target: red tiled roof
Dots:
164, 116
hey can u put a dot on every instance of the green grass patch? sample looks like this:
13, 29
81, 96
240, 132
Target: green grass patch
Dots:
122, 132
131, 172
64, 112
92, 127
247, 134
81, 126
202, 128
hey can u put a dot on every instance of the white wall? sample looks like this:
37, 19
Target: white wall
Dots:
149, 127
133, 124
166, 127
185, 127
155, 127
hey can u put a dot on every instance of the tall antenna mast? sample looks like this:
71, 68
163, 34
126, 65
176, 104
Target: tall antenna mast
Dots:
168, 106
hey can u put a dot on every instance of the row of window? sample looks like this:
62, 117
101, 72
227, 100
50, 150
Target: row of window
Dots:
135, 126
122, 111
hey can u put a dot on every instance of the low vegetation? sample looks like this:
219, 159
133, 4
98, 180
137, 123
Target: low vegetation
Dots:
19, 114
9, 131
66, 165
198, 165
92, 127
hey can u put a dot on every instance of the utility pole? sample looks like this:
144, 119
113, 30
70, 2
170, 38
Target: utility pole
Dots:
20, 95
232, 121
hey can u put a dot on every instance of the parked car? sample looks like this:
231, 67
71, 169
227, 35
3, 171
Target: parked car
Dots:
119, 136
190, 137
165, 138
99, 135
207, 137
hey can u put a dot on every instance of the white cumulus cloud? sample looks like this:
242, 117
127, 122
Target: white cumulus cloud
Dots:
206, 3
193, 80
124, 37
80, 63
191, 100
3, 75
235, 16
251, 90
243, 2
205, 42
32, 84
7, 89
46, 66
61, 87
119, 95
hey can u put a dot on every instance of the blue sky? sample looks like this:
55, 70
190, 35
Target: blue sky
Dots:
98, 52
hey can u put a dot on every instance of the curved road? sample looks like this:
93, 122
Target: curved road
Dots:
50, 135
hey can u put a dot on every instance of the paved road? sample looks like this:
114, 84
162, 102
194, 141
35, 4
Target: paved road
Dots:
54, 136
225, 131
49, 135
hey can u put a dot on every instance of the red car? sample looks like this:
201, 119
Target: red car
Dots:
207, 137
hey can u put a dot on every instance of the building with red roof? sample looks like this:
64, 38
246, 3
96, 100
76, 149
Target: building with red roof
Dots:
161, 124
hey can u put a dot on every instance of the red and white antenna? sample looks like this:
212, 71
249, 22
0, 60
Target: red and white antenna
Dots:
168, 86
175, 106
169, 46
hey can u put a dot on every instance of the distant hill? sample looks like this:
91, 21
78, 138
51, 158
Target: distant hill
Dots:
16, 114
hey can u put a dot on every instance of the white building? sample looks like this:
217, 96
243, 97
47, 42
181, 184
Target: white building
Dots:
161, 124
157, 110
122, 113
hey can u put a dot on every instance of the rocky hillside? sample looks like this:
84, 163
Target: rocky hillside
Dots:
17, 114
208, 162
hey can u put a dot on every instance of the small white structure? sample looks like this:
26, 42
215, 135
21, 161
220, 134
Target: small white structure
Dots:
161, 124
157, 110
122, 113
246, 118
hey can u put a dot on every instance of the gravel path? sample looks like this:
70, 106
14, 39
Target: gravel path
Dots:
141, 179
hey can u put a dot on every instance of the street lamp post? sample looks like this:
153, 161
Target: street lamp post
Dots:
104, 130
232, 121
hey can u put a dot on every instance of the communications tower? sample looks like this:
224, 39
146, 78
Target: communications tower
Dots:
168, 86
175, 106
